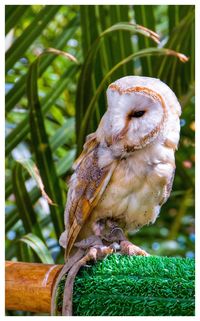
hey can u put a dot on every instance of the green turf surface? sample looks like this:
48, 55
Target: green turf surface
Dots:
134, 286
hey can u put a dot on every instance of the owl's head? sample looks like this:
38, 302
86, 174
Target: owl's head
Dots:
138, 111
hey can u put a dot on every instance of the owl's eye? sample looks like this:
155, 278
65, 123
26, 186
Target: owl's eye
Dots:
137, 114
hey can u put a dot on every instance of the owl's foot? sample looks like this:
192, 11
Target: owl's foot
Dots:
120, 242
129, 248
94, 253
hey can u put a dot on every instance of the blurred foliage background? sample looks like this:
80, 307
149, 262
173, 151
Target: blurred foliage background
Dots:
51, 134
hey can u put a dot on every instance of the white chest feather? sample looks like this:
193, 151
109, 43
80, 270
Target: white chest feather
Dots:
137, 188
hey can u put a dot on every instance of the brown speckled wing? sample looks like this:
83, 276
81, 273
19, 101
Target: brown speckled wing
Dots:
86, 188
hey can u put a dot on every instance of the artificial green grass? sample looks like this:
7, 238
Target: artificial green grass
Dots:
134, 286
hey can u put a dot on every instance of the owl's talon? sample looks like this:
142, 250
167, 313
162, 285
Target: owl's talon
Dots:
129, 248
115, 246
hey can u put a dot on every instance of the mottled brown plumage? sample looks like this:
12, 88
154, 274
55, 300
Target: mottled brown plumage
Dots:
91, 183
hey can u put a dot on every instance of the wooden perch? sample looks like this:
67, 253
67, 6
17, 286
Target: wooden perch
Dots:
29, 286
118, 285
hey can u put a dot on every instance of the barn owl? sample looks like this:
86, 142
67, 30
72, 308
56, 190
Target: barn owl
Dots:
124, 174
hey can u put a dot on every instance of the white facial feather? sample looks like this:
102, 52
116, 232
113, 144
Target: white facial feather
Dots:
131, 94
120, 106
154, 84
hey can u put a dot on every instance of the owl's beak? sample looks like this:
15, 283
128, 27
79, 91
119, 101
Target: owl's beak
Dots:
119, 136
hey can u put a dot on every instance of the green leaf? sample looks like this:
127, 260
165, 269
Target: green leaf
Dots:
12, 217
144, 15
13, 214
26, 253
34, 173
38, 246
9, 10
41, 146
88, 26
18, 90
62, 166
16, 51
22, 129
120, 40
14, 16
173, 14
24, 204
172, 72
89, 33
64, 134
106, 47
65, 163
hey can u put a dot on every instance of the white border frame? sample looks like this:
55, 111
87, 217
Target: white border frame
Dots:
2, 137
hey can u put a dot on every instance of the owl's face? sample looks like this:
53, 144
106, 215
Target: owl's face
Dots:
136, 116
137, 112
